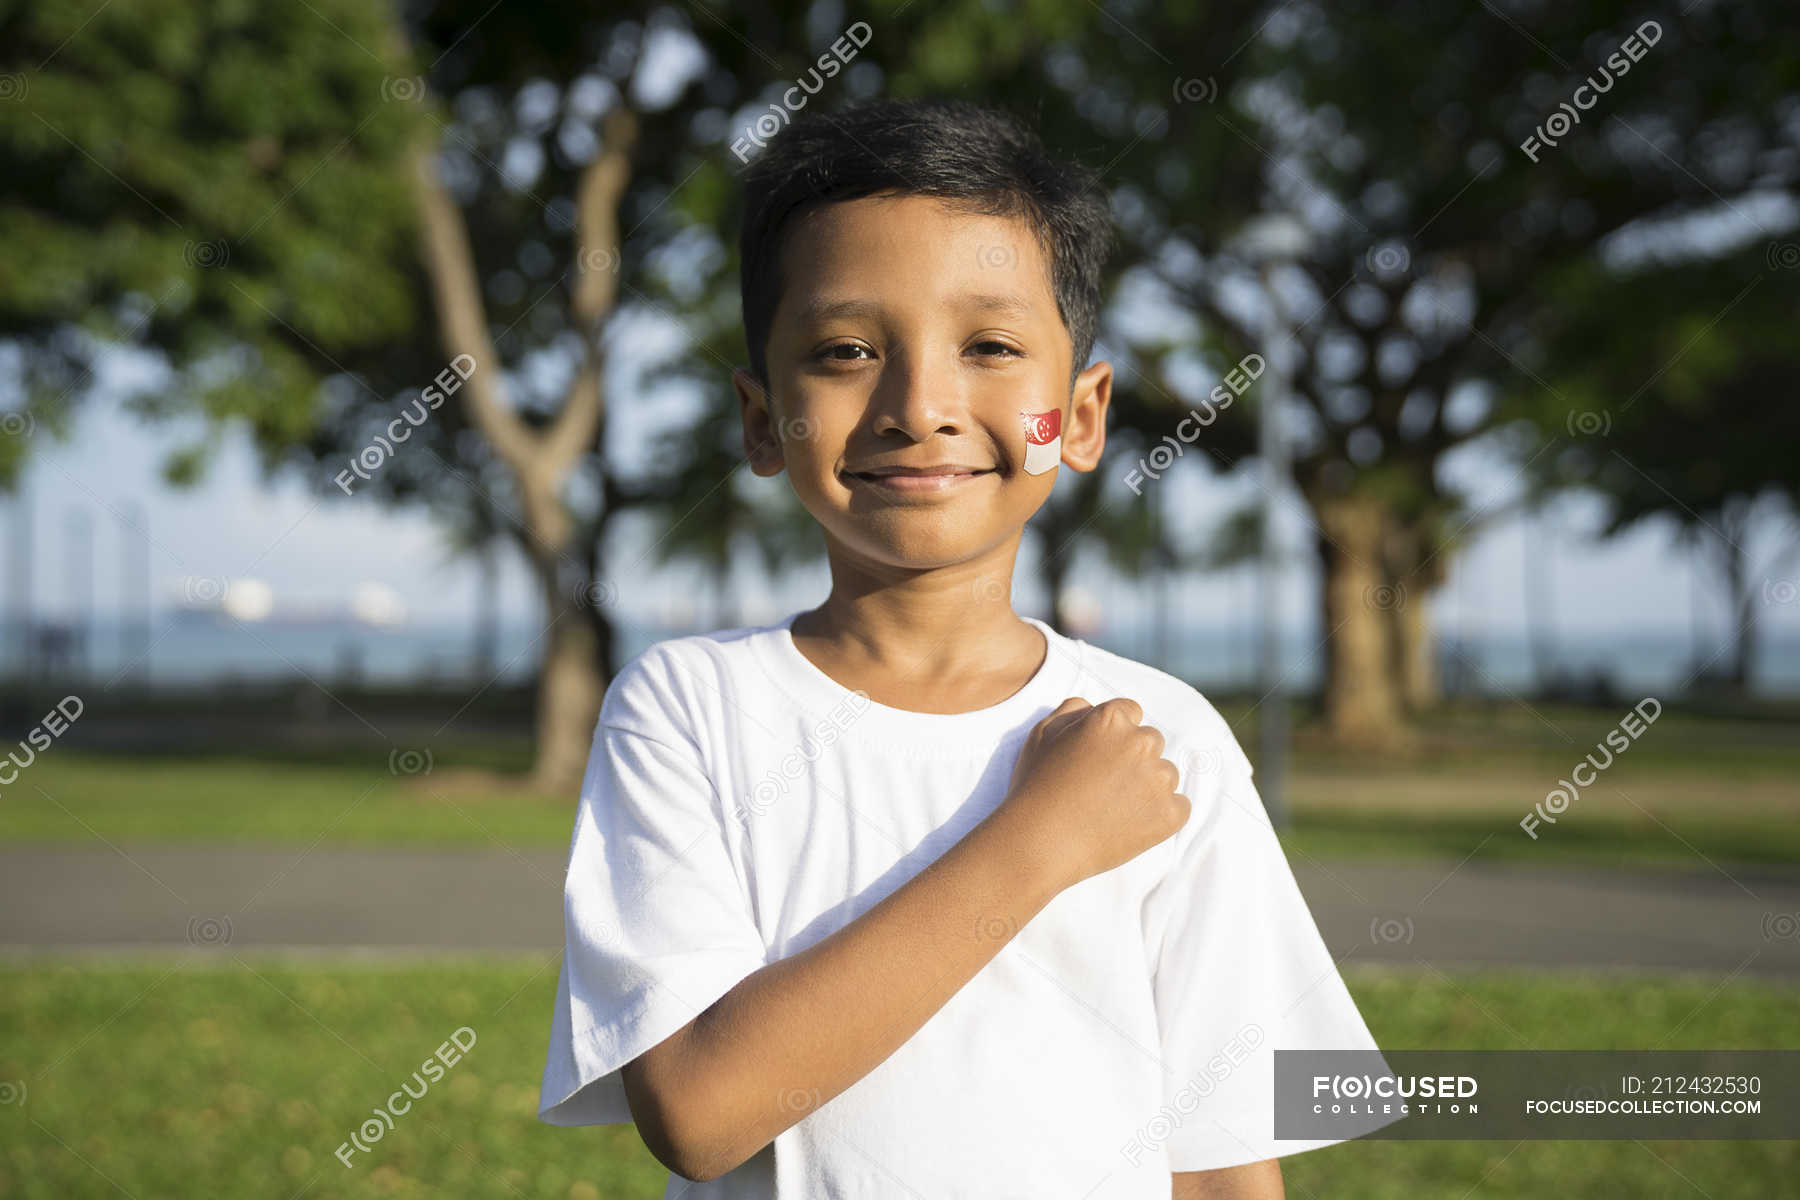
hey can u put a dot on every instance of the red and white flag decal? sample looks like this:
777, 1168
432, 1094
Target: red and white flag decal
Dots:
1043, 440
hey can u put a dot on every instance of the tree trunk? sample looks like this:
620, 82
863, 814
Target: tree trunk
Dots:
1362, 700
1416, 566
1416, 570
1419, 686
541, 460
571, 680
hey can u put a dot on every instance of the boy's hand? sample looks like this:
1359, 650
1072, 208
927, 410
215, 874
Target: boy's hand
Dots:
1093, 788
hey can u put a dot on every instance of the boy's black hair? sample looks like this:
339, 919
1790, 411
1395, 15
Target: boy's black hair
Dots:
978, 159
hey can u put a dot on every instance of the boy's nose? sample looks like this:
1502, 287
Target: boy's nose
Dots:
918, 400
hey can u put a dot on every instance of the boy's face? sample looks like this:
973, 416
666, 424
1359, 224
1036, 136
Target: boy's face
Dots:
911, 335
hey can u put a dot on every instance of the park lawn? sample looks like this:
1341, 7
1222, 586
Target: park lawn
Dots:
1728, 797
1669, 830
72, 796
241, 1076
1687, 790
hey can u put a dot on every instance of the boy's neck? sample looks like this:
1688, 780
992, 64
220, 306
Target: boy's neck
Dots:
940, 641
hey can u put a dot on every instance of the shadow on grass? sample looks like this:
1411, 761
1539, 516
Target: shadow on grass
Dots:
508, 754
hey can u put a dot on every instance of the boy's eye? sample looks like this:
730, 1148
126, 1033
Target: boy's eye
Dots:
852, 352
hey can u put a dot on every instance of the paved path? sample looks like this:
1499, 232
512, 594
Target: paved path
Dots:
424, 901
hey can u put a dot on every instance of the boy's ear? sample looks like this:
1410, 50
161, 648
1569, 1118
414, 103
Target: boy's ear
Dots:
761, 446
1084, 435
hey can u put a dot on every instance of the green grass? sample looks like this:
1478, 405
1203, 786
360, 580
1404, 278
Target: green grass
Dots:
68, 797
241, 1078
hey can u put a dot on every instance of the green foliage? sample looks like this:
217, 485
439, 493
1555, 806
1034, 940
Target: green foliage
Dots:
229, 185
223, 185
1392, 136
1676, 406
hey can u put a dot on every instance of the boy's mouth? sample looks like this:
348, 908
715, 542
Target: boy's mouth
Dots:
908, 480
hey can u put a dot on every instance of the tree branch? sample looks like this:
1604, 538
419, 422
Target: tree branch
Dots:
462, 319
599, 260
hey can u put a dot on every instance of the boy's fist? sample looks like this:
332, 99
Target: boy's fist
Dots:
1092, 786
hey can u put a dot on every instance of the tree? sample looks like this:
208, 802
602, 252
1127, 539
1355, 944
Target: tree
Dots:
1681, 412
255, 196
208, 185
1447, 235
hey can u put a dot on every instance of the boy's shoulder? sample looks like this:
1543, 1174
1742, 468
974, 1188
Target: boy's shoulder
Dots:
1188, 721
671, 680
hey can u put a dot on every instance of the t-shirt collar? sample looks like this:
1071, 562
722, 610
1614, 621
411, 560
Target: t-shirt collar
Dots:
861, 717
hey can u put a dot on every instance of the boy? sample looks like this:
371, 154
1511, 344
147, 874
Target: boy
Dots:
906, 895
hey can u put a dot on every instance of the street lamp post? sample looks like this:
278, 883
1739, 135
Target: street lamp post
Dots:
1272, 723
1268, 242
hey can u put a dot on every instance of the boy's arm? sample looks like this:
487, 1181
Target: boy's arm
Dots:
1090, 791
1250, 1181
797, 1032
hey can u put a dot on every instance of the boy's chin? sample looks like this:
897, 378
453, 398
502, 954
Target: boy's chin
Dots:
951, 544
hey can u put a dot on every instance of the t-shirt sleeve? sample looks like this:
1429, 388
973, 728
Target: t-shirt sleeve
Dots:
1239, 971
656, 925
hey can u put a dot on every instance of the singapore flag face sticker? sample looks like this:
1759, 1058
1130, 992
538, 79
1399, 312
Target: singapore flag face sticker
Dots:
1043, 440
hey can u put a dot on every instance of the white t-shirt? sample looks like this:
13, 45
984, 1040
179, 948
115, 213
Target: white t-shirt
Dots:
740, 805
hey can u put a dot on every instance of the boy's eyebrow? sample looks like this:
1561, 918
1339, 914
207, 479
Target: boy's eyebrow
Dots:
823, 309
